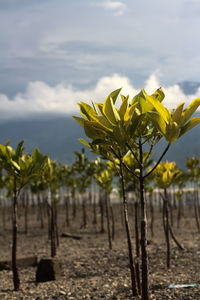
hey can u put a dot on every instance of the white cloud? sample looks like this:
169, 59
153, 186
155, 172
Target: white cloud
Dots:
117, 8
40, 98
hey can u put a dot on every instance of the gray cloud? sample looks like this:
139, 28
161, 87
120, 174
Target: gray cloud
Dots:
78, 43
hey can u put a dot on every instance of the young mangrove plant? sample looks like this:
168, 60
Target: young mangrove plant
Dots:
104, 179
137, 123
164, 176
21, 168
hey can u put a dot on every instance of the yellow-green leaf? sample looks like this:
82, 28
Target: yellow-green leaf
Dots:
84, 142
130, 112
159, 95
161, 109
158, 121
190, 110
79, 120
142, 104
114, 95
100, 107
93, 130
86, 110
172, 132
110, 111
192, 123
123, 108
177, 115
104, 122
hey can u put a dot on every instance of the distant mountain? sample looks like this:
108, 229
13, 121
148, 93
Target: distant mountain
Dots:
56, 137
59, 138
189, 87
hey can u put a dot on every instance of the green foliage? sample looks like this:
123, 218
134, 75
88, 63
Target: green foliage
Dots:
165, 173
22, 166
107, 126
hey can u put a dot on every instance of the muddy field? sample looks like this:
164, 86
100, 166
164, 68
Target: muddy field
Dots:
91, 271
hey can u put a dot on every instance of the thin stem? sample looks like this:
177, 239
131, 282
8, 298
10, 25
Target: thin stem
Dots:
143, 221
129, 147
150, 151
125, 166
166, 149
126, 221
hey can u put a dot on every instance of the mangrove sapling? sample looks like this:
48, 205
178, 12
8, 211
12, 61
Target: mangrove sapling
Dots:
21, 168
26, 209
179, 194
112, 218
80, 169
193, 166
135, 288
180, 205
98, 167
64, 178
38, 188
151, 207
101, 208
52, 179
2, 199
104, 180
164, 175
67, 202
115, 131
137, 243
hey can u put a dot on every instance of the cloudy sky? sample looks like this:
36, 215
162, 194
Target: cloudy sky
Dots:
54, 53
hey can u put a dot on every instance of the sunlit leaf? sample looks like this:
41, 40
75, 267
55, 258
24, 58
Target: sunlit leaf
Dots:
110, 111
177, 115
86, 110
192, 123
190, 110
160, 108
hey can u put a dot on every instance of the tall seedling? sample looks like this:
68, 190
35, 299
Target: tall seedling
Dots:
193, 166
164, 175
21, 168
104, 180
53, 182
143, 120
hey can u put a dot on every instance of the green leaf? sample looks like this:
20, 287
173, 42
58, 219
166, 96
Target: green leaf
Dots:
79, 120
114, 95
190, 110
84, 142
93, 130
131, 112
100, 107
142, 104
158, 121
86, 110
177, 115
110, 111
15, 165
192, 123
159, 95
104, 122
161, 109
19, 149
101, 142
172, 132
123, 108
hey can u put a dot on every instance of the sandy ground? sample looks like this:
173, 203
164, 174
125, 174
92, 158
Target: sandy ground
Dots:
92, 271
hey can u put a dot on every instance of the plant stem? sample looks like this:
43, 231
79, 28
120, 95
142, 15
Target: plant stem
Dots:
125, 208
145, 284
16, 280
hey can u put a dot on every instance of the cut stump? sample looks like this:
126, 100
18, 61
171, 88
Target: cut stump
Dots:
48, 269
